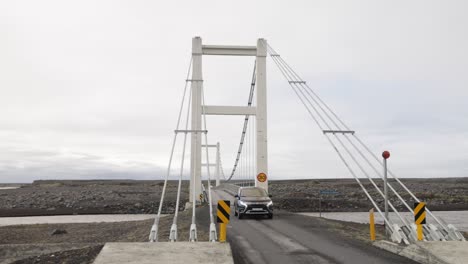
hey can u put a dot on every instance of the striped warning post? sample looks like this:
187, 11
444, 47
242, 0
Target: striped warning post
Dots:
420, 213
224, 209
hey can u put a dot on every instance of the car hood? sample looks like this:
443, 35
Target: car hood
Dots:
255, 199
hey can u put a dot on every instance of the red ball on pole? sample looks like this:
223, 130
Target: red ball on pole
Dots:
386, 154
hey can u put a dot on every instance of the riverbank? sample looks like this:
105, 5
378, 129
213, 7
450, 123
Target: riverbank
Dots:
64, 219
457, 218
81, 242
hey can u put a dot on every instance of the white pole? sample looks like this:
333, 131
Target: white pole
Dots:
385, 188
195, 155
217, 163
261, 117
385, 156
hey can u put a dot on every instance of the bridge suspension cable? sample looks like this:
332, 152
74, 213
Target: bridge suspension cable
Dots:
330, 123
245, 175
221, 168
244, 129
213, 235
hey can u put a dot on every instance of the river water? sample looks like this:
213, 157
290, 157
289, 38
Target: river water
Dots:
457, 218
60, 219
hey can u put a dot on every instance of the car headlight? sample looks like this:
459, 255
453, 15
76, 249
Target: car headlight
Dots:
242, 203
270, 203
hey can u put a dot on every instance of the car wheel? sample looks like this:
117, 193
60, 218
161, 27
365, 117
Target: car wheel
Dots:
270, 216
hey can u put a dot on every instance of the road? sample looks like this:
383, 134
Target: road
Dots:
292, 238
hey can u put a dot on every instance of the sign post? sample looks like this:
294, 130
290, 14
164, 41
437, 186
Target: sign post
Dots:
325, 192
224, 210
372, 224
320, 205
420, 218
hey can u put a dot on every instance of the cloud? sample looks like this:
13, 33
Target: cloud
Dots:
25, 165
105, 79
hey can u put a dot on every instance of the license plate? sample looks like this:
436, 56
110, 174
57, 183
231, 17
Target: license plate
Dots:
257, 209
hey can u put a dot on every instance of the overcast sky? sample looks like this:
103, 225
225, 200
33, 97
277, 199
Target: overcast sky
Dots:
91, 89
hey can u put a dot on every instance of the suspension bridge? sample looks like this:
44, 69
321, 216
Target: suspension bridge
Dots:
286, 240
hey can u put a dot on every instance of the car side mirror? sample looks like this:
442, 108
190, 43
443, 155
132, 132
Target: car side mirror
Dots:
270, 195
237, 196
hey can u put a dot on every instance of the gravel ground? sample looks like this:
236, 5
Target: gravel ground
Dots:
96, 234
76, 256
136, 197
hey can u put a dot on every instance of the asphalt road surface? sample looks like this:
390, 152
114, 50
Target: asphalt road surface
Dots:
292, 238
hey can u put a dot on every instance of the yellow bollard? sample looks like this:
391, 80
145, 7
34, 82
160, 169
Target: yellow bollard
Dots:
420, 232
372, 224
222, 232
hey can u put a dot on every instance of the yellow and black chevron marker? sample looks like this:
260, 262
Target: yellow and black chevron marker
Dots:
420, 213
420, 218
224, 209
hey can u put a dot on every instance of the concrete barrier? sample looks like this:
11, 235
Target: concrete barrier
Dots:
432, 252
165, 252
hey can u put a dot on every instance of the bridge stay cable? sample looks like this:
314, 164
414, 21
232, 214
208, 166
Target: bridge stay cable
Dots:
338, 131
153, 236
173, 231
320, 102
308, 108
325, 117
354, 135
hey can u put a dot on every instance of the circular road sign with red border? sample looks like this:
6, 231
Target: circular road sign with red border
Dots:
262, 177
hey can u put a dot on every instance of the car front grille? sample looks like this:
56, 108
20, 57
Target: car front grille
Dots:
256, 209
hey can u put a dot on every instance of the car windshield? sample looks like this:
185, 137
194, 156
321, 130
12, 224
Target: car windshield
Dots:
253, 192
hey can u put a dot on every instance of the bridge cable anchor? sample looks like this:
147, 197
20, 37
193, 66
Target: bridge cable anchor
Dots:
213, 234
193, 233
153, 237
173, 233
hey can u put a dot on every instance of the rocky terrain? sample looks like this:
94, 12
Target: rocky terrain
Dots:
137, 197
440, 194
89, 197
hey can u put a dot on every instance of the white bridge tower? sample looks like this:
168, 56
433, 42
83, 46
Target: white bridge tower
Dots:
259, 111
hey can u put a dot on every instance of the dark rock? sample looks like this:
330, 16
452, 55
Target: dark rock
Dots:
59, 232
